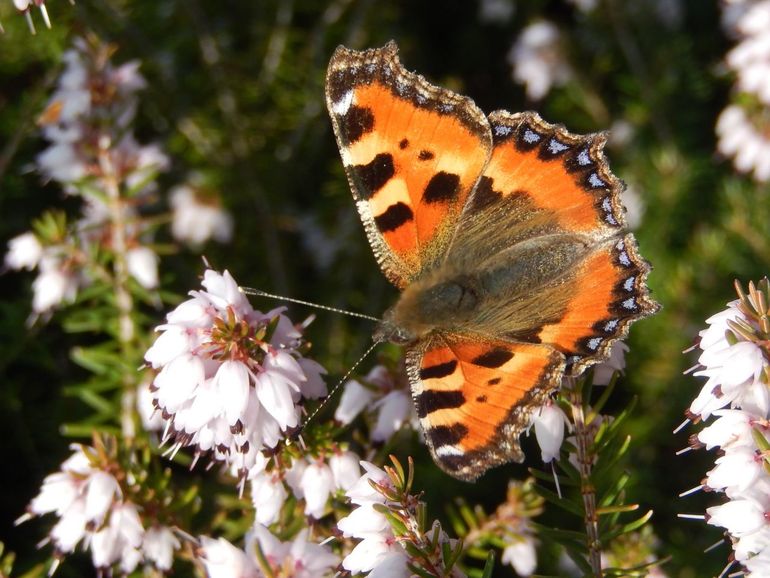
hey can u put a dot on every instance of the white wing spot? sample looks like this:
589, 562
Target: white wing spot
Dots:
502, 130
583, 158
593, 344
623, 258
370, 68
421, 98
629, 304
342, 106
595, 181
556, 147
448, 451
531, 136
628, 284
611, 325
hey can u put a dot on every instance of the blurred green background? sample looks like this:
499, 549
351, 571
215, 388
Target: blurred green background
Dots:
235, 91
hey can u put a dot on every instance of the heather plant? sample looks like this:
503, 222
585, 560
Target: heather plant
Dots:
158, 159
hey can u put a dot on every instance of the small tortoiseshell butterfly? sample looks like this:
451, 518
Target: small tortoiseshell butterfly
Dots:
506, 236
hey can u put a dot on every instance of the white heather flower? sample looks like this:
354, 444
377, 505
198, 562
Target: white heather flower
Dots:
737, 469
355, 397
158, 547
223, 560
750, 58
225, 384
119, 541
522, 557
194, 222
24, 252
392, 565
293, 477
345, 469
91, 510
740, 137
142, 263
549, 424
151, 418
732, 427
739, 517
268, 495
538, 60
54, 285
317, 484
394, 410
616, 361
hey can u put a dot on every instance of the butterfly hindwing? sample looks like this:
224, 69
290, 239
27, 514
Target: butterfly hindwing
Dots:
474, 397
413, 153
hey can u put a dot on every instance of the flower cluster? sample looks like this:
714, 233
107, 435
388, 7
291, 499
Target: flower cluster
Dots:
93, 155
509, 527
266, 556
385, 520
743, 125
93, 510
384, 397
311, 480
538, 59
231, 380
734, 361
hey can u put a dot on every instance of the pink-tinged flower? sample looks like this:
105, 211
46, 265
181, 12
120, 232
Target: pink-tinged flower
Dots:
142, 263
231, 379
362, 491
733, 427
370, 551
195, 221
24, 252
158, 547
362, 521
317, 484
223, 560
522, 557
538, 60
296, 559
549, 422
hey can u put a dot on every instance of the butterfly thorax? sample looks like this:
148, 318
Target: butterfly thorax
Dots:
430, 305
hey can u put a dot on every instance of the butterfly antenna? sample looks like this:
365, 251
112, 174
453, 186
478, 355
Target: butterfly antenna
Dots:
259, 293
334, 389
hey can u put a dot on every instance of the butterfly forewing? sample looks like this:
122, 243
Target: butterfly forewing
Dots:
412, 152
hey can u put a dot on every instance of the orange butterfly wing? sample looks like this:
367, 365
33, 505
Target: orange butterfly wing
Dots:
412, 152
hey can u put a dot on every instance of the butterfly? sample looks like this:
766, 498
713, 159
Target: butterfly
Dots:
506, 236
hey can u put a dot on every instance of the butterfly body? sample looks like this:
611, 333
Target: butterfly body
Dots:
506, 237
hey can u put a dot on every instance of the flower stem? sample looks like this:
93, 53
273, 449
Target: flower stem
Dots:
583, 439
123, 298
